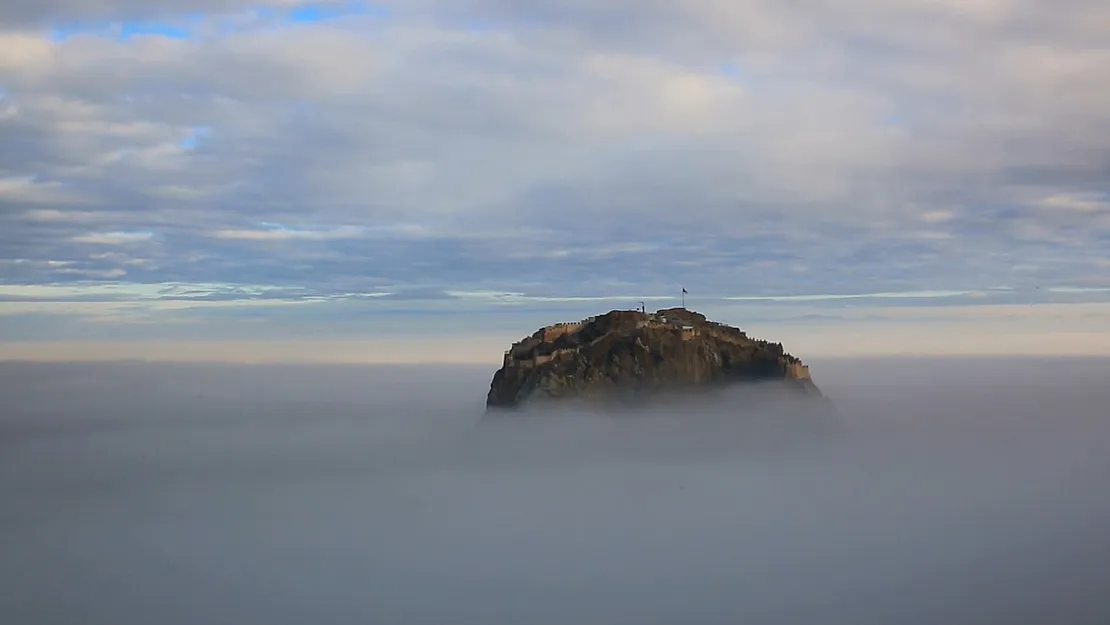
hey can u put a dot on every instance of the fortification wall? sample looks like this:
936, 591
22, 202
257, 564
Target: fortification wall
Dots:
555, 355
550, 333
797, 371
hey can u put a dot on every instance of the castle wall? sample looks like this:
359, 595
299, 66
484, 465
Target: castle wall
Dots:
523, 354
797, 371
550, 333
555, 355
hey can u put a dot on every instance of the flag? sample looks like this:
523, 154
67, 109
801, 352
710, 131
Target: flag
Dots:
684, 291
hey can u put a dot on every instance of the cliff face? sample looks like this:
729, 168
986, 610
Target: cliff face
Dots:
627, 354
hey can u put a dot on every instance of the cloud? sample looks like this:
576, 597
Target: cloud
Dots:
952, 491
549, 155
102, 274
848, 296
1086, 203
282, 233
113, 238
34, 13
53, 214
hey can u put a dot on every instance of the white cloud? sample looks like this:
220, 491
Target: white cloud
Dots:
1081, 203
496, 297
113, 238
1075, 289
281, 234
53, 214
26, 190
102, 274
937, 216
828, 297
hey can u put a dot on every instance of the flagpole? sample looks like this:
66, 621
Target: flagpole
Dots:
684, 297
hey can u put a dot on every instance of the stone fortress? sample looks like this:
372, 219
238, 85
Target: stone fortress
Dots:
563, 340
624, 354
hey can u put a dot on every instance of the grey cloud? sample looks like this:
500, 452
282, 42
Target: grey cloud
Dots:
548, 145
42, 13
67, 298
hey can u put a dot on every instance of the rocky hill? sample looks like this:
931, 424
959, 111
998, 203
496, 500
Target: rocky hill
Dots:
627, 354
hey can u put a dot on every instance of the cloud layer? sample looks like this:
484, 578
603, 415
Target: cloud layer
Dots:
555, 150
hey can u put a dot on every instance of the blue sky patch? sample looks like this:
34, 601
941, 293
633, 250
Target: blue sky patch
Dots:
191, 139
318, 11
174, 29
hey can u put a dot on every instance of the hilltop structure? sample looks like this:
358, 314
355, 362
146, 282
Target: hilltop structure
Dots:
629, 354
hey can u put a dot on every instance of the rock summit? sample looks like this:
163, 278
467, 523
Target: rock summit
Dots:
629, 355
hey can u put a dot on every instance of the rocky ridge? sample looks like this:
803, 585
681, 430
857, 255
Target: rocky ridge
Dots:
627, 354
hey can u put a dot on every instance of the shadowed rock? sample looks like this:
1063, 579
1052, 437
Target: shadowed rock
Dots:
624, 356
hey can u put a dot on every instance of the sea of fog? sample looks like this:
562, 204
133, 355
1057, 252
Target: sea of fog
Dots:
969, 491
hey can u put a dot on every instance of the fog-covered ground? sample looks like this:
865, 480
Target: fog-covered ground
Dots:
954, 491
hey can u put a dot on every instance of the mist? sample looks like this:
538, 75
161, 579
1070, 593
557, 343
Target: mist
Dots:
949, 491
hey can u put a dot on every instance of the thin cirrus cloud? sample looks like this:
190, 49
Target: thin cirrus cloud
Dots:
113, 238
538, 160
278, 233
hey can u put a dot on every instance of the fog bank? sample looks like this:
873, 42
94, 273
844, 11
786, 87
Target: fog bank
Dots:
953, 491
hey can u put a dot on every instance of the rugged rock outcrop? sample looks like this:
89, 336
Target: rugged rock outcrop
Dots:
626, 355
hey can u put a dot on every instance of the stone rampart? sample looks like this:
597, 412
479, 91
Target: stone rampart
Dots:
797, 371
550, 333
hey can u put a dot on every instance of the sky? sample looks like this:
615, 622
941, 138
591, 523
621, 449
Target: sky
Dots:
429, 180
